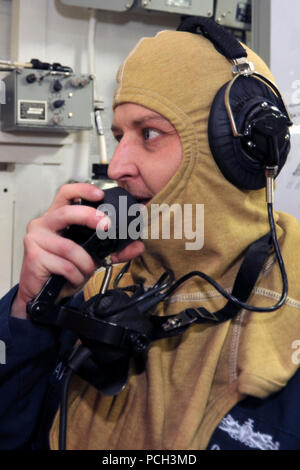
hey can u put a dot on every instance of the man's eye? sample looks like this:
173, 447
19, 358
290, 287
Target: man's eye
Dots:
150, 133
118, 137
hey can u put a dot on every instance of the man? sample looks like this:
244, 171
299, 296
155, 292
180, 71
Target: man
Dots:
192, 387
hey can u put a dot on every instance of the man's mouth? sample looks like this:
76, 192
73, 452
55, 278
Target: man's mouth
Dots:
140, 198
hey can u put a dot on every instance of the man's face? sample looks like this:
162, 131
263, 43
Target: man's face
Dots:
148, 154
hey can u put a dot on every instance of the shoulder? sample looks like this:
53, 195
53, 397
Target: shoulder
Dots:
269, 424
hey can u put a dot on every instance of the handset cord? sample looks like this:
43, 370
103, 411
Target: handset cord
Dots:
78, 356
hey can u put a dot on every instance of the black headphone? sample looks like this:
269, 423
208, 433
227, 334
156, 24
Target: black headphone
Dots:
248, 126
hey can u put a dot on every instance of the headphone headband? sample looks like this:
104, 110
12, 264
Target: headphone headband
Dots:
222, 39
242, 159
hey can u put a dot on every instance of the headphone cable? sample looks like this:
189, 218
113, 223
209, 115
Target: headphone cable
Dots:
233, 299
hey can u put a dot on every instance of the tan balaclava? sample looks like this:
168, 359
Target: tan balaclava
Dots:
190, 382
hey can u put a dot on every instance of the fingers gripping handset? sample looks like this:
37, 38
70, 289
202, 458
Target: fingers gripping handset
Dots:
63, 245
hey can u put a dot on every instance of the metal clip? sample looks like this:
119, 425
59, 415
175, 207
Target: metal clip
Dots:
172, 323
106, 279
271, 172
242, 66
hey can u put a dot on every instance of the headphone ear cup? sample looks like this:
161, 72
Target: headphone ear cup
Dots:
239, 166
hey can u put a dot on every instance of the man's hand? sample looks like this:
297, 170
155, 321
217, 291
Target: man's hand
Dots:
46, 252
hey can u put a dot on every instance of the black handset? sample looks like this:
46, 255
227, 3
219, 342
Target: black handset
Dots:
119, 200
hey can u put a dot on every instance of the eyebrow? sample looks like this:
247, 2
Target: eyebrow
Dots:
140, 122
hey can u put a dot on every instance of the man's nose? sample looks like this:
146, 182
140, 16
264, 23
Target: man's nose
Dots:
122, 165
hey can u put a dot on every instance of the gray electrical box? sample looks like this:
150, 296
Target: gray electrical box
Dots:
110, 5
184, 7
234, 14
48, 101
